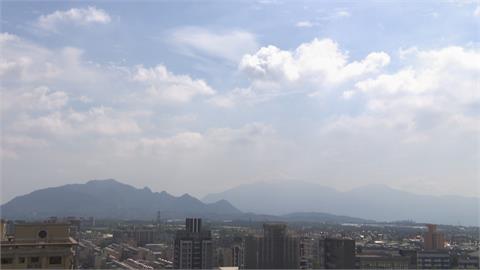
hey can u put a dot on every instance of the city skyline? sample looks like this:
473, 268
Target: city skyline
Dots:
200, 97
191, 243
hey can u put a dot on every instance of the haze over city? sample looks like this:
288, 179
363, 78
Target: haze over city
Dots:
200, 97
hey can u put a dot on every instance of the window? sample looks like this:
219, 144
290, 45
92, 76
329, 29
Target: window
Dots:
21, 259
7, 261
34, 259
42, 234
55, 260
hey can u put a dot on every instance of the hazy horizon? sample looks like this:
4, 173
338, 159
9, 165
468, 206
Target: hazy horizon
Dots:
282, 181
200, 97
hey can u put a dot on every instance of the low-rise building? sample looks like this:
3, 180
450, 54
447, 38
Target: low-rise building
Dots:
382, 261
433, 259
39, 245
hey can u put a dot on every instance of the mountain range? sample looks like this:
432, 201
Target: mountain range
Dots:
261, 201
378, 202
110, 199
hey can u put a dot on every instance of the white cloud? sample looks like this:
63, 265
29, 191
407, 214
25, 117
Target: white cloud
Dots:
342, 14
362, 117
97, 120
24, 62
448, 71
5, 36
270, 63
160, 145
57, 95
328, 16
319, 60
78, 16
433, 93
251, 136
315, 65
304, 24
348, 94
476, 12
40, 98
166, 86
28, 66
226, 44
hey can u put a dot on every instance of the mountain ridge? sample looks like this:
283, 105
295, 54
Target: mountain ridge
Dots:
109, 198
376, 202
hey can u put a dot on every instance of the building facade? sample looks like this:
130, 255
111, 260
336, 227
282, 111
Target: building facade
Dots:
434, 259
39, 245
238, 255
336, 253
140, 236
382, 261
193, 248
433, 239
308, 253
275, 250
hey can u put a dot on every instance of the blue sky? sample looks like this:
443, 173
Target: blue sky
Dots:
200, 96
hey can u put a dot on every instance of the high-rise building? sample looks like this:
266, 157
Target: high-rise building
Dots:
276, 249
251, 252
308, 253
38, 245
336, 253
432, 239
238, 253
3, 234
193, 246
159, 218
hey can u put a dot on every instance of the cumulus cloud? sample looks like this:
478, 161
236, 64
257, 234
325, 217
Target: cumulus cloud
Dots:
319, 64
76, 16
40, 98
55, 93
320, 60
434, 93
230, 45
163, 85
449, 73
23, 62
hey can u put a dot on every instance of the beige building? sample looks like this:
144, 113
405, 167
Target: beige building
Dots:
433, 240
38, 245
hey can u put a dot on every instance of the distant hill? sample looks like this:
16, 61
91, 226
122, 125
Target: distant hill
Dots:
316, 217
110, 199
283, 201
377, 202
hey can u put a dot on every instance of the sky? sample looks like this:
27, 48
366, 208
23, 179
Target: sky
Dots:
201, 96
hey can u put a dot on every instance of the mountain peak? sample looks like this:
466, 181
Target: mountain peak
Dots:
107, 199
188, 197
103, 181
